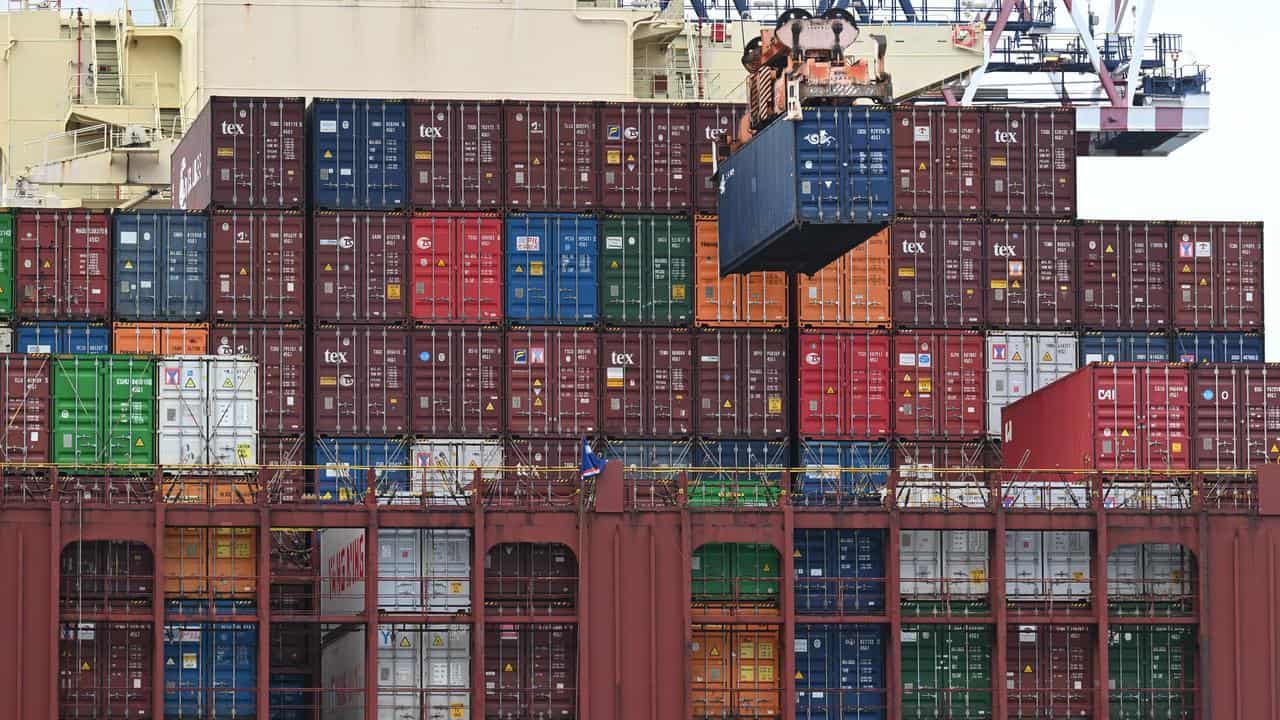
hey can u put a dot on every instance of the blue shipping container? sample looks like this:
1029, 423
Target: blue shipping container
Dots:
63, 338
287, 697
840, 672
1125, 347
551, 271
161, 266
340, 480
213, 666
801, 194
358, 154
839, 571
828, 473
1219, 348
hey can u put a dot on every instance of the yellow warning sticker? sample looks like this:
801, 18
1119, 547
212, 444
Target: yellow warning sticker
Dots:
535, 268
328, 381
747, 651
138, 443
489, 407
1186, 268
227, 382
1124, 433
906, 272
1203, 282
1177, 447
457, 711
1275, 448
728, 404
766, 673
1027, 669
765, 568
977, 575
999, 284
455, 587
923, 166
715, 651
128, 264
906, 378
440, 262
1109, 249
705, 158
508, 668
537, 161
677, 292
422, 155
1046, 357
613, 265
999, 161
404, 641
328, 267
328, 154
775, 404
796, 553
537, 402
244, 272
227, 152
831, 390
613, 157
393, 291
537, 382
906, 393
799, 675
1017, 356
519, 270
1016, 285
437, 641
924, 386
86, 666
46, 265
190, 384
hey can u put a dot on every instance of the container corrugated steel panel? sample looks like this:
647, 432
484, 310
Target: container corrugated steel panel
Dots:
1030, 275
360, 382
242, 152
937, 274
160, 338
6, 264
281, 354
417, 665
1235, 415
552, 157
455, 154
344, 470
551, 268
1047, 565
531, 670
646, 270
937, 158
1124, 275
552, 381
161, 266
1217, 271
1121, 416
456, 381
647, 383
24, 384
210, 670
1049, 671
456, 268
939, 563
63, 265
736, 671
824, 182
852, 291
1152, 670
1031, 162
840, 672
715, 127
358, 266
103, 410
1124, 347
946, 671
59, 338
104, 669
207, 411
844, 384
738, 473
1018, 364
645, 162
939, 384
839, 571
743, 574
1219, 348
741, 376
444, 470
258, 264
751, 300
358, 154
835, 472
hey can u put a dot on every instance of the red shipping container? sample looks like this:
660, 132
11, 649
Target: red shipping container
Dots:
937, 274
937, 158
1049, 671
455, 154
456, 381
845, 391
455, 262
63, 265
281, 352
551, 381
24, 380
647, 383
1031, 162
546, 463
645, 164
742, 382
551, 155
714, 128
916, 455
939, 384
1031, 275
242, 152
1124, 275
104, 670
1217, 276
360, 385
1235, 415
1108, 416
257, 261
286, 456
530, 670
359, 260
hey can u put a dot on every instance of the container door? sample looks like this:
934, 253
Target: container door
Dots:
233, 411
185, 671
529, 268
576, 276
137, 281
186, 267
184, 412
448, 672
400, 576
400, 666
448, 570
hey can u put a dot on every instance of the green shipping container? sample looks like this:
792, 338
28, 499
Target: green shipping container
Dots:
1152, 671
6, 264
646, 269
751, 568
946, 672
103, 410
745, 490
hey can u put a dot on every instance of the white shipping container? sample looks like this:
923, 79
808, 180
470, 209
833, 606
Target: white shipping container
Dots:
1124, 571
207, 410
1049, 564
342, 676
445, 469
6, 338
1168, 571
1024, 565
920, 562
342, 571
433, 561
965, 561
1068, 559
1019, 363
430, 663
943, 562
920, 486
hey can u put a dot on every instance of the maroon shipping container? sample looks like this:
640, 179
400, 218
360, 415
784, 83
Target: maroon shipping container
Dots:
913, 454
646, 163
456, 381
530, 671
530, 579
551, 381
455, 268
104, 670
551, 155
1217, 276
1235, 415
360, 384
287, 481
1108, 416
937, 159
742, 381
714, 128
545, 463
1124, 275
939, 384
455, 154
1049, 671
258, 264
243, 153
281, 352
24, 380
1031, 162
936, 280
1031, 275
63, 265
647, 383
845, 391
358, 262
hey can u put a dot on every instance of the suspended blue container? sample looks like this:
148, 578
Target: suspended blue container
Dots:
829, 473
358, 154
1219, 348
839, 571
1125, 347
63, 338
210, 670
802, 193
161, 266
552, 275
840, 672
341, 478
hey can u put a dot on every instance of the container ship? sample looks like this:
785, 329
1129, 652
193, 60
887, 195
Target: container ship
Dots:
621, 361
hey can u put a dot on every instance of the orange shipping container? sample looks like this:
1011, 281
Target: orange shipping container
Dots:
753, 300
735, 671
197, 559
161, 339
186, 562
853, 291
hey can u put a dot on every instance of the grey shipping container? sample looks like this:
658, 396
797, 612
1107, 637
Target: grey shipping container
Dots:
1018, 364
161, 266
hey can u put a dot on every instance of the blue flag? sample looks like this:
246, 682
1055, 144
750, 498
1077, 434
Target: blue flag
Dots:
592, 464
